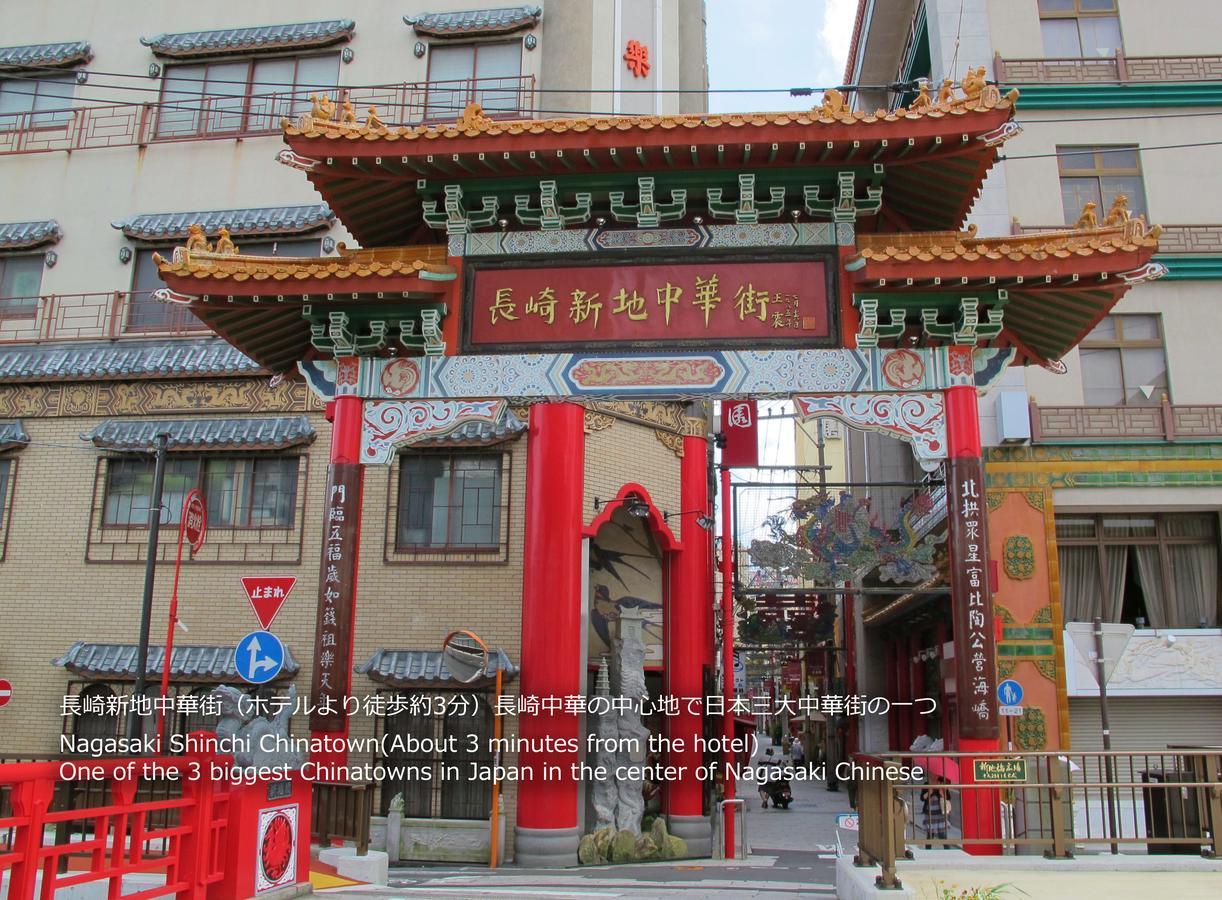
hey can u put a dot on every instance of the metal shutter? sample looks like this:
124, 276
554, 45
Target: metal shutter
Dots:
1147, 723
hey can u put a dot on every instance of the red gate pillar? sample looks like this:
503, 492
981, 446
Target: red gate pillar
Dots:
971, 601
688, 617
552, 603
335, 625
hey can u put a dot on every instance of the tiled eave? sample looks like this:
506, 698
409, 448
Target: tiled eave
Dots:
28, 235
199, 664
265, 221
278, 433
261, 38
475, 22
424, 668
36, 56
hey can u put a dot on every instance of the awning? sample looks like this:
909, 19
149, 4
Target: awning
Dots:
117, 662
203, 434
31, 56
126, 360
421, 668
12, 434
190, 44
475, 22
24, 235
262, 221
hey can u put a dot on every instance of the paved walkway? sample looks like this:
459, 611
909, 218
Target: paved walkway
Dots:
793, 855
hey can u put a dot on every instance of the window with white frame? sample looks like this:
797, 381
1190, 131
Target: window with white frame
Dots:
1124, 362
1099, 175
1080, 29
20, 284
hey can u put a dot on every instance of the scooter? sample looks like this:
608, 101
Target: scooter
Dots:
779, 792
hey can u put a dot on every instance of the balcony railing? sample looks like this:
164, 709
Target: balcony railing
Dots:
1160, 422
1174, 239
93, 317
1120, 69
218, 118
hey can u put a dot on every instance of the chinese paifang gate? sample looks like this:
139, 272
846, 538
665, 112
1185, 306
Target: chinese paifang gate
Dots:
523, 268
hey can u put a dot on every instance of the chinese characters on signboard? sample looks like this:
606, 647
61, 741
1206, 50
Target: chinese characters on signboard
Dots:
639, 305
336, 584
972, 603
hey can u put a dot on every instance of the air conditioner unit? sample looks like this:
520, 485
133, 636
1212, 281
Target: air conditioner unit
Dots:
1013, 417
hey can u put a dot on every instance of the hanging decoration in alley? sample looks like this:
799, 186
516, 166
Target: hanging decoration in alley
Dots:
841, 539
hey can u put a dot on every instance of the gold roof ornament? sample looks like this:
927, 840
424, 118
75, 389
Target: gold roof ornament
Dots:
322, 108
197, 241
473, 119
834, 103
922, 101
1119, 212
347, 114
224, 244
372, 122
1088, 219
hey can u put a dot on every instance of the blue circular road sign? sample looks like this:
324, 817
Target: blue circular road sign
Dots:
1010, 693
259, 657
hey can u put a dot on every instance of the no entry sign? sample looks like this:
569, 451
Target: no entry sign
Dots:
267, 594
195, 520
6, 691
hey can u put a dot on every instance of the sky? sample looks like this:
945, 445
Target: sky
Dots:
770, 44
764, 45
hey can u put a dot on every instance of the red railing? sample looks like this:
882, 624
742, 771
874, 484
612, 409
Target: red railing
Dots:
116, 834
218, 118
93, 316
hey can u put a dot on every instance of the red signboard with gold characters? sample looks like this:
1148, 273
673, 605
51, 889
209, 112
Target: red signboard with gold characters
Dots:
705, 305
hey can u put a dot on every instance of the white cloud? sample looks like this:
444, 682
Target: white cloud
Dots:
837, 31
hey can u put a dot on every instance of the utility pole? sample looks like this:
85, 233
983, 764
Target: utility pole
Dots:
1101, 676
160, 445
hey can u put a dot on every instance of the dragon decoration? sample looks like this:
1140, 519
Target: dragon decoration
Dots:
840, 539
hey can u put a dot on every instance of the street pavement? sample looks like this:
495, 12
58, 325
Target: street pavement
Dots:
793, 854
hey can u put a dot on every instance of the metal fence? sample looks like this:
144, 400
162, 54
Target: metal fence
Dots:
1063, 804
93, 316
220, 118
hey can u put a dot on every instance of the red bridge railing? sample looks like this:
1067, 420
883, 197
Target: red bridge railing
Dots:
115, 832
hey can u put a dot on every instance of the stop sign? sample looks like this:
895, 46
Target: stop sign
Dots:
6, 691
195, 519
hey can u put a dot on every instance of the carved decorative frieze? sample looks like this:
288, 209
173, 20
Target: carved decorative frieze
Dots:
144, 398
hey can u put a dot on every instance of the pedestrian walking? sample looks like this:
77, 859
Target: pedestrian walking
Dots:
764, 776
935, 810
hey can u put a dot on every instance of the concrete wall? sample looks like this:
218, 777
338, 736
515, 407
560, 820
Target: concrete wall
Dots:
1185, 28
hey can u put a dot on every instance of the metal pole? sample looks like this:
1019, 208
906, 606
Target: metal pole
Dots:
169, 629
727, 649
1107, 730
496, 780
160, 443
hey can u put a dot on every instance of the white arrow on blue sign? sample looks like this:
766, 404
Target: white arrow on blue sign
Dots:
1010, 693
259, 657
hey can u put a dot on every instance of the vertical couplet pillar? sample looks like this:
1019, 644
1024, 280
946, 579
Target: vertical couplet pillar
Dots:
335, 623
688, 618
548, 829
727, 648
971, 599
